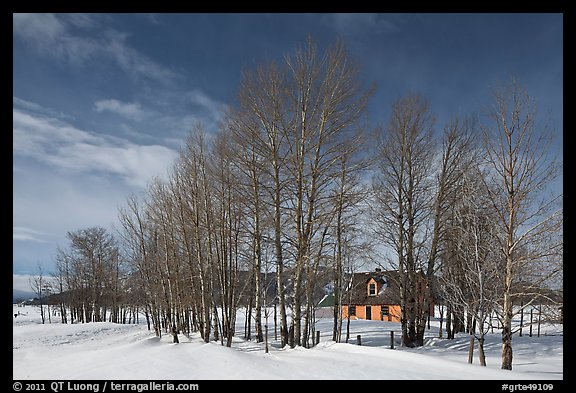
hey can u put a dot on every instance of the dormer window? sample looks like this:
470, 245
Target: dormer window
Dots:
372, 289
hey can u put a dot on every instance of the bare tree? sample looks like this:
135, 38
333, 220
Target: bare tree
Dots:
88, 276
136, 233
529, 215
402, 190
230, 220
471, 270
349, 194
162, 213
39, 286
298, 119
252, 179
259, 128
326, 100
197, 207
457, 156
414, 190
62, 278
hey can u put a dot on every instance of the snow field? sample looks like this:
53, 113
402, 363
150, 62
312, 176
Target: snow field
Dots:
130, 352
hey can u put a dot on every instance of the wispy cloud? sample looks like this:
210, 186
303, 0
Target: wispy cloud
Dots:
61, 145
177, 112
350, 24
172, 112
21, 282
81, 38
154, 18
27, 234
126, 109
214, 108
38, 29
34, 107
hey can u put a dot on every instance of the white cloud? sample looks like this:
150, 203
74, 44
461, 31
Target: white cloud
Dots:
153, 18
176, 112
38, 29
128, 110
81, 38
26, 234
359, 23
63, 146
215, 108
55, 202
84, 20
21, 282
132, 61
34, 107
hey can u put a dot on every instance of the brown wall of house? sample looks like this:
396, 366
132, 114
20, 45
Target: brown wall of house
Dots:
345, 314
393, 313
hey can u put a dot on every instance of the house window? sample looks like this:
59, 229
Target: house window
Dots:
384, 312
352, 310
372, 289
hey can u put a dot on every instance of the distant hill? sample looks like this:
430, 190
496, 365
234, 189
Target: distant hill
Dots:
18, 294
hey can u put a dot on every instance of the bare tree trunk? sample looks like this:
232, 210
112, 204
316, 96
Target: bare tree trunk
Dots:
449, 331
517, 155
441, 321
507, 326
402, 190
481, 354
471, 348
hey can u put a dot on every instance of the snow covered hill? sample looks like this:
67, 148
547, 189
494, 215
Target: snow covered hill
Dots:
128, 352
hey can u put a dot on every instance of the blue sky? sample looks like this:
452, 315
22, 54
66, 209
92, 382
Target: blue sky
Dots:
102, 102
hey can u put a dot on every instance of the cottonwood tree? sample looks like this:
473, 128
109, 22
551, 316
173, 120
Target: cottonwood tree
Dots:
326, 99
349, 195
230, 220
298, 119
414, 189
39, 285
280, 174
471, 272
95, 253
196, 210
91, 268
61, 279
186, 240
172, 247
402, 189
458, 155
136, 232
259, 127
162, 213
249, 159
529, 214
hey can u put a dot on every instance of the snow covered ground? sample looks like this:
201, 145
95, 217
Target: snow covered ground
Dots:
130, 352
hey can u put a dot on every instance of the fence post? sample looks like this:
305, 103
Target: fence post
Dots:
317, 337
359, 339
392, 339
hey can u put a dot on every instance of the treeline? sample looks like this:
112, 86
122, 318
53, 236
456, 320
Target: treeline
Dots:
91, 282
465, 213
270, 192
283, 191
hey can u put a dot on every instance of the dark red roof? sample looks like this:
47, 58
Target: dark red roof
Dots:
388, 294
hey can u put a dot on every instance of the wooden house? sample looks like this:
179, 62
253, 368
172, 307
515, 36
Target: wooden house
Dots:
374, 296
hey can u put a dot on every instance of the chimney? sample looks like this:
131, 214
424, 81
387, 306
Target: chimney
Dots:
378, 270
